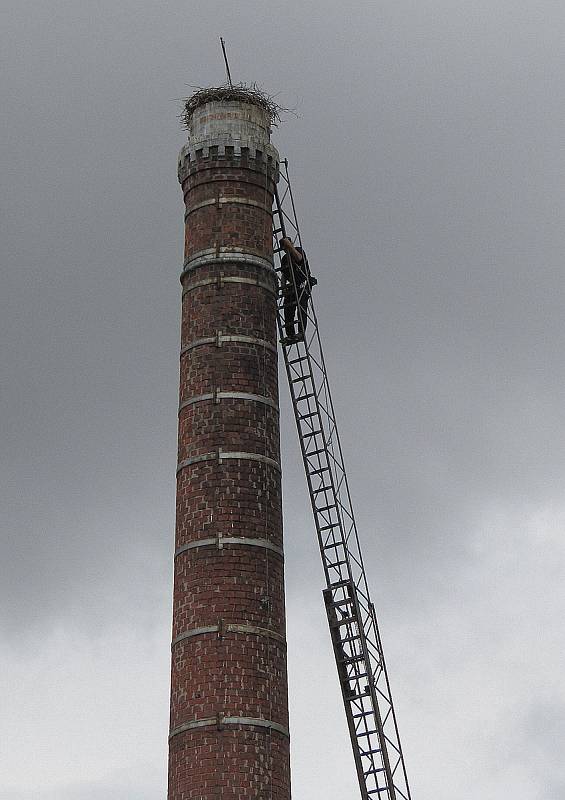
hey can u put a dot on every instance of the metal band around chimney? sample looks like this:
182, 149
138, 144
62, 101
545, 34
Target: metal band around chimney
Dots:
228, 279
221, 541
196, 460
229, 628
249, 457
212, 722
229, 255
220, 455
222, 201
217, 396
220, 338
195, 632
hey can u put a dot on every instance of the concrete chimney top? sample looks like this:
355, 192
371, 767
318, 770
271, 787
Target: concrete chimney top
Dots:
232, 121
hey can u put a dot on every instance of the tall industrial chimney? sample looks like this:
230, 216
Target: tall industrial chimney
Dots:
229, 699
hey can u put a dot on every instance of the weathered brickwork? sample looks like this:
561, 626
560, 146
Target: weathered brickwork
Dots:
234, 761
229, 697
231, 205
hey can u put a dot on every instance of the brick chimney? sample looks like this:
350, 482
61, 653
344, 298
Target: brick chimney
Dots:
229, 699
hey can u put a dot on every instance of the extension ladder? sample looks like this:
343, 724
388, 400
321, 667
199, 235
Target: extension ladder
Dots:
351, 615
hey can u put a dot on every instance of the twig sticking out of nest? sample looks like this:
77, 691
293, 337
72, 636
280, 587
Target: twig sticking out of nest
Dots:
245, 94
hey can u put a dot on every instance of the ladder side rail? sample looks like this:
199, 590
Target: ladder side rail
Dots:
305, 454
384, 672
368, 618
322, 545
370, 621
370, 638
316, 515
327, 466
343, 574
322, 367
367, 615
377, 712
328, 410
306, 357
346, 506
357, 757
322, 465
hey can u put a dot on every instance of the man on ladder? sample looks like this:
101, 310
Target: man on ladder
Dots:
297, 283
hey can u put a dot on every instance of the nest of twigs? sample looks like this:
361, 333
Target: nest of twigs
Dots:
245, 94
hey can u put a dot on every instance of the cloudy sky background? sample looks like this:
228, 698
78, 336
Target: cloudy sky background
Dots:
427, 155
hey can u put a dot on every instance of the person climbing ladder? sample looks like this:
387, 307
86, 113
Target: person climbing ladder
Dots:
297, 283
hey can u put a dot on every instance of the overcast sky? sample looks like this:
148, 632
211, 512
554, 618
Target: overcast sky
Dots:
427, 155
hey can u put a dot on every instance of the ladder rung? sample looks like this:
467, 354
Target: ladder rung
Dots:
332, 545
327, 528
310, 414
351, 660
374, 771
361, 697
316, 453
319, 472
363, 714
344, 602
367, 753
366, 733
335, 564
310, 434
323, 508
350, 640
345, 621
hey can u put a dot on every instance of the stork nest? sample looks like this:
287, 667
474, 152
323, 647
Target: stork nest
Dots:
245, 94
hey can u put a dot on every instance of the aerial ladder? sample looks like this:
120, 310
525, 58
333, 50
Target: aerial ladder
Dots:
356, 642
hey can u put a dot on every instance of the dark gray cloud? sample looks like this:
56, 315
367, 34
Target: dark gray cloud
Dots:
427, 162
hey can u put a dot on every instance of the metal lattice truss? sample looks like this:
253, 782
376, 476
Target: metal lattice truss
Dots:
351, 614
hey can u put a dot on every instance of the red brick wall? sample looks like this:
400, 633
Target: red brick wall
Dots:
229, 651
